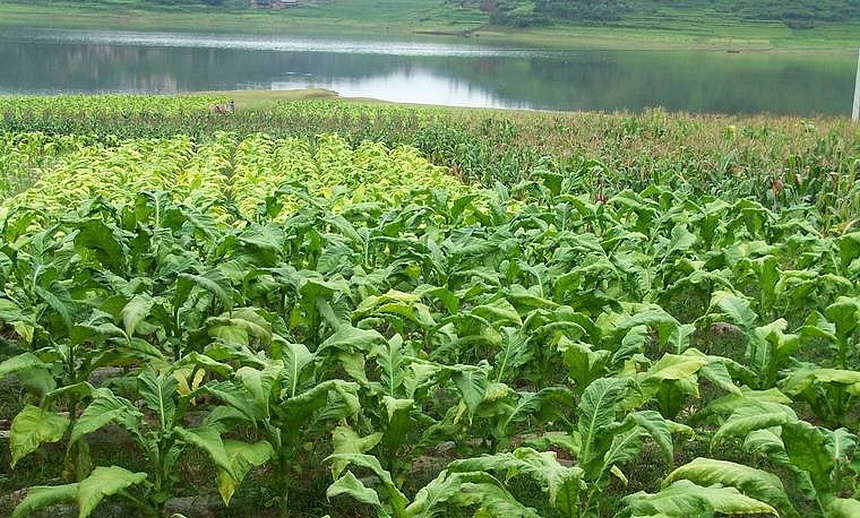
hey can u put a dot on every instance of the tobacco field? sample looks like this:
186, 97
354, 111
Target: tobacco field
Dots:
404, 324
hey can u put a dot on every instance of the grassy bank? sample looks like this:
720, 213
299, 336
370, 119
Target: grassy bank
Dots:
669, 28
351, 18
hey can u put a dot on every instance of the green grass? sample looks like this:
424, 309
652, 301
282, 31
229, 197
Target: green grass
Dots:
262, 99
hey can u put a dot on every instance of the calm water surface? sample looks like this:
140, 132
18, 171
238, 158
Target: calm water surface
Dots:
65, 61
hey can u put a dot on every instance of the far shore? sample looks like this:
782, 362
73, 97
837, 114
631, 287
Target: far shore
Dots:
768, 37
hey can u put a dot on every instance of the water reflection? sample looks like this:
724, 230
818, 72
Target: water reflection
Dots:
269, 43
407, 86
416, 72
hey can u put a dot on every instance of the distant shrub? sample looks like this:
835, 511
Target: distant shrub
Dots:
521, 17
798, 21
583, 10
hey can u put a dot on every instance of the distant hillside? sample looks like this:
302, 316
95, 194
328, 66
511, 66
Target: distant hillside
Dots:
674, 15
797, 14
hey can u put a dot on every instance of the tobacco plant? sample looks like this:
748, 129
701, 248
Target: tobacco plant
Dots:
628, 347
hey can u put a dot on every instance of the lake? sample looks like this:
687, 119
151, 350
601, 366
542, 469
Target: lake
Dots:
38, 61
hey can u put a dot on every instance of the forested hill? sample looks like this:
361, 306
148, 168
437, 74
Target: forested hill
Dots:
796, 14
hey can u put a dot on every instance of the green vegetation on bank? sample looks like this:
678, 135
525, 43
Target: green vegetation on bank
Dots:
329, 308
799, 24
796, 14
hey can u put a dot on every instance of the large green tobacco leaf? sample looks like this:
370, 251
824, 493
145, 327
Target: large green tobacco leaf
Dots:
562, 483
651, 316
242, 457
157, 390
105, 408
39, 497
347, 229
682, 240
205, 364
208, 439
102, 482
841, 444
241, 326
802, 379
625, 446
34, 426
57, 296
21, 362
449, 300
262, 242
239, 399
345, 440
849, 251
396, 303
735, 309
753, 482
754, 415
817, 327
312, 286
548, 404
495, 501
297, 360
515, 352
673, 372
597, 410
731, 402
9, 310
331, 399
463, 490
396, 498
845, 313
396, 408
351, 486
717, 373
499, 310
348, 338
806, 446
843, 508
135, 312
393, 360
657, 428
684, 499
526, 298
31, 371
97, 237
584, 364
769, 351
214, 282
634, 341
472, 384
674, 367
260, 384
767, 443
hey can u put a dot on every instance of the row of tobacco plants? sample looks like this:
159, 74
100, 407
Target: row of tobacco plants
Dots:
776, 161
318, 327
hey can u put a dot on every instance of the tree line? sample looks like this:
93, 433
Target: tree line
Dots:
796, 14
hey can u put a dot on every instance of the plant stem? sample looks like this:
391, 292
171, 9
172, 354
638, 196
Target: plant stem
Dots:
147, 509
